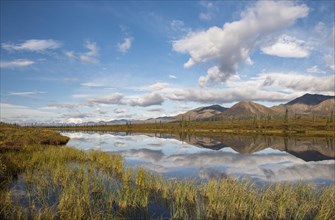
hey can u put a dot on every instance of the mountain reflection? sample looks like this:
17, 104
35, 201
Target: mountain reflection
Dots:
263, 159
308, 149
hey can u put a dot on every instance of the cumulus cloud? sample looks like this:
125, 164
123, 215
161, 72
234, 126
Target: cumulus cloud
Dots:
125, 45
35, 45
115, 98
315, 69
16, 63
205, 95
91, 56
287, 46
300, 82
146, 100
230, 45
172, 76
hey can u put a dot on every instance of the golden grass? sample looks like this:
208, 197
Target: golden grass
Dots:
57, 182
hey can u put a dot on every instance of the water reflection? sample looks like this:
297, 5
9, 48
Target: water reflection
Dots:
263, 159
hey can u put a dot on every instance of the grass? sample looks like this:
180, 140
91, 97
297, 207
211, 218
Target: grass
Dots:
58, 182
321, 126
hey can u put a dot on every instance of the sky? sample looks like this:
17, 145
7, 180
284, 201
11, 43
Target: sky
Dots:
81, 61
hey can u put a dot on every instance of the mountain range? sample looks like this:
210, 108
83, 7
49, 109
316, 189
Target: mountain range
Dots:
306, 105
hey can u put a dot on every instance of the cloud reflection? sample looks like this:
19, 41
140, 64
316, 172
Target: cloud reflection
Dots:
174, 158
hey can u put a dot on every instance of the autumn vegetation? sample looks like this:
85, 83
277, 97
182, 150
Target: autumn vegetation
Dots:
41, 179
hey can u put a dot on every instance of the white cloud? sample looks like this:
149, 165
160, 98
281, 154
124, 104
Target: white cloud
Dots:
120, 110
205, 16
19, 114
16, 63
320, 28
172, 76
80, 96
26, 93
112, 99
126, 45
230, 45
207, 4
34, 45
315, 69
61, 105
157, 86
219, 96
287, 46
92, 84
265, 87
92, 54
300, 82
70, 54
146, 100
74, 120
330, 60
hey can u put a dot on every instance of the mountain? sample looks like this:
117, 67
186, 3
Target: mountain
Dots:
212, 107
310, 99
201, 113
245, 109
159, 119
323, 108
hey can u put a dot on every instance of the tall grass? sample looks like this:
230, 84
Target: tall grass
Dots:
57, 182
62, 182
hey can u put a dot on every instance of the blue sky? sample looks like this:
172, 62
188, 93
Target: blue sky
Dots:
82, 61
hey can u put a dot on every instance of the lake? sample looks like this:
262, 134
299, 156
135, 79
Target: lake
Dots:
259, 158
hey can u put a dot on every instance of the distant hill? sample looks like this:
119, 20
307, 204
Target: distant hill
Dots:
159, 119
245, 109
310, 99
202, 113
212, 107
304, 106
323, 108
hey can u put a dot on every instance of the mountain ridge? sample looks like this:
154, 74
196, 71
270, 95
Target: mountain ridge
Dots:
310, 99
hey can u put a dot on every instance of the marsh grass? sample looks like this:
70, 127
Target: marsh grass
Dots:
57, 182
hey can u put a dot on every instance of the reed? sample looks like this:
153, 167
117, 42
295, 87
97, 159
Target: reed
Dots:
57, 182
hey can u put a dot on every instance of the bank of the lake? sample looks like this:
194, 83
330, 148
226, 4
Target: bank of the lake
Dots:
51, 182
276, 127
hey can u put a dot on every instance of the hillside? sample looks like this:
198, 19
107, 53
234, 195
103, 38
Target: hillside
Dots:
202, 113
323, 108
245, 109
310, 99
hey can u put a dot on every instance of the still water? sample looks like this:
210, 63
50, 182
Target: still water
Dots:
261, 159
